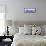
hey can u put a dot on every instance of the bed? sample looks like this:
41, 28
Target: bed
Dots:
29, 40
24, 38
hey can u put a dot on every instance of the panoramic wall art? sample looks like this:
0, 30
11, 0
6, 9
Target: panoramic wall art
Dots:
29, 10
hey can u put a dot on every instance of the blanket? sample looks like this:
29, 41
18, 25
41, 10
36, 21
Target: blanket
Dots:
29, 40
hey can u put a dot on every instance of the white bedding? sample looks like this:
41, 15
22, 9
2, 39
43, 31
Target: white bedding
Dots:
29, 40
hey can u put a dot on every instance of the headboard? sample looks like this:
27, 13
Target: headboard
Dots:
21, 23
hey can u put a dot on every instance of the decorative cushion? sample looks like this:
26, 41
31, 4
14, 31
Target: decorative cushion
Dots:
21, 30
36, 30
33, 30
24, 30
28, 28
28, 31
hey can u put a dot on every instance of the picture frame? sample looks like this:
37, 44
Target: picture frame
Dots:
29, 10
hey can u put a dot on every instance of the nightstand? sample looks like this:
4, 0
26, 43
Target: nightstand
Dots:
7, 40
4, 42
7, 43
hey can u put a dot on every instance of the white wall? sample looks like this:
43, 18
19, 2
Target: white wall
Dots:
15, 10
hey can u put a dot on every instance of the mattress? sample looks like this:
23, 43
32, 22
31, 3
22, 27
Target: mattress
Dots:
28, 40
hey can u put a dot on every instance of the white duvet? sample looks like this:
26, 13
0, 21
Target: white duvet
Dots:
29, 40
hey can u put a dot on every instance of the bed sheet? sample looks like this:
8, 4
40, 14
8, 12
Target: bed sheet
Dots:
28, 40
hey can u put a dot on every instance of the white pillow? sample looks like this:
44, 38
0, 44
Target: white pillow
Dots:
24, 30
28, 26
44, 26
21, 30
28, 31
13, 30
42, 30
36, 30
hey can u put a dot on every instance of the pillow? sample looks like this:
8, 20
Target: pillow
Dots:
36, 30
28, 29
24, 30
28, 26
21, 30
33, 30
44, 29
13, 30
